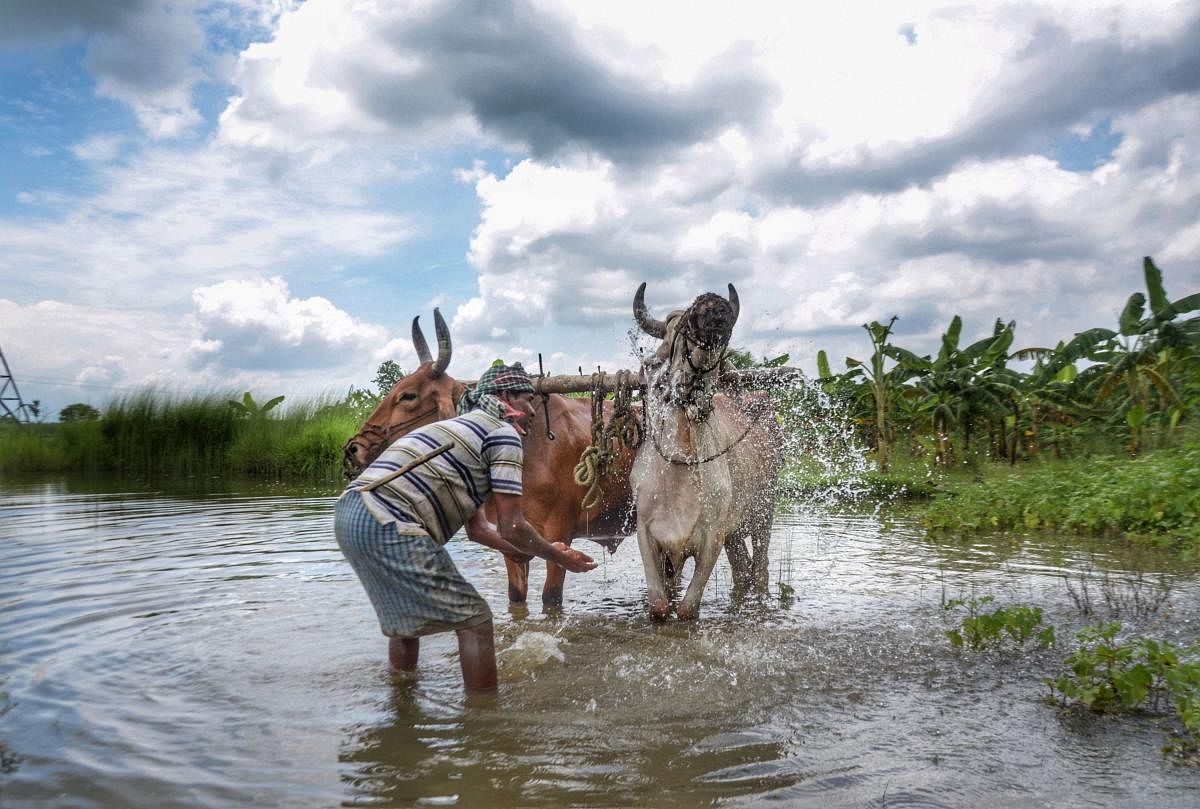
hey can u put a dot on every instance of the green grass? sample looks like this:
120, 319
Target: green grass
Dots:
200, 435
162, 434
1155, 495
304, 441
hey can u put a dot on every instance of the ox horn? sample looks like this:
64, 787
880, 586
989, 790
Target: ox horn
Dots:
655, 328
443, 338
419, 343
733, 301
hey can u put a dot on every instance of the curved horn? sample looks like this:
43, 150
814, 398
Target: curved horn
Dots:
419, 343
443, 338
733, 300
655, 328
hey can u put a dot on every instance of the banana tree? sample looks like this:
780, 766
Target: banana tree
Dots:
1051, 407
248, 408
882, 384
1135, 365
961, 385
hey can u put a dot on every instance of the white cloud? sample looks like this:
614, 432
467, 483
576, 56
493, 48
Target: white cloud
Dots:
838, 164
62, 353
99, 148
991, 239
109, 371
256, 324
164, 222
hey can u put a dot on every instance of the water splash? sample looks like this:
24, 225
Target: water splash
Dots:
824, 463
532, 650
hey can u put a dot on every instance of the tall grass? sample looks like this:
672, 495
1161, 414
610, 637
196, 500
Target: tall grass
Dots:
304, 441
164, 434
1156, 494
199, 435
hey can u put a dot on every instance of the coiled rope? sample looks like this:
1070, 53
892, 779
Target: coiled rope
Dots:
596, 460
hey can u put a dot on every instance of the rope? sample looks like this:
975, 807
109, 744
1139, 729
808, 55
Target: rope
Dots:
587, 474
596, 460
678, 461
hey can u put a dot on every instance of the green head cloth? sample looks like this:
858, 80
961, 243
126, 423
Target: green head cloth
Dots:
500, 378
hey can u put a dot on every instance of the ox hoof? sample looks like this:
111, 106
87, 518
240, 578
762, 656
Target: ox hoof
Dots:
516, 595
660, 609
686, 612
552, 598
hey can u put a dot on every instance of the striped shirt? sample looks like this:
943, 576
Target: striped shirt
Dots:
440, 495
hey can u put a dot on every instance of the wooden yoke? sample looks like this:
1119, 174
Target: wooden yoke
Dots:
738, 379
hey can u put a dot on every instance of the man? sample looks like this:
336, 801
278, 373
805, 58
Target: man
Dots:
393, 531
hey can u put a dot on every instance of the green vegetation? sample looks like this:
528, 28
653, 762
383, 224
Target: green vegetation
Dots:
250, 409
1156, 494
155, 433
78, 412
968, 404
1098, 436
201, 435
1103, 673
1109, 675
994, 629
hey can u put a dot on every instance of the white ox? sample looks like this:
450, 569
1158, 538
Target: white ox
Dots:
705, 475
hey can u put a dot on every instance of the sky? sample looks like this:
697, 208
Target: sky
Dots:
232, 195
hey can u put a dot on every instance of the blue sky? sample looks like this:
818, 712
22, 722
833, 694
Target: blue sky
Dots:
261, 194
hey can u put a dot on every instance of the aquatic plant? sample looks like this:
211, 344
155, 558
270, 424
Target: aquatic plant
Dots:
991, 629
1137, 593
1106, 675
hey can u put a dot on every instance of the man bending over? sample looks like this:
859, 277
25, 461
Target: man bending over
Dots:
393, 532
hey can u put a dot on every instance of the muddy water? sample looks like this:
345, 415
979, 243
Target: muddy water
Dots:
212, 649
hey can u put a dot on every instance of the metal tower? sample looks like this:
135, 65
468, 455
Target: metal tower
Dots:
11, 405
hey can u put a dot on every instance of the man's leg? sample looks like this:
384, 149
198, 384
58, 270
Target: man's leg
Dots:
477, 656
402, 653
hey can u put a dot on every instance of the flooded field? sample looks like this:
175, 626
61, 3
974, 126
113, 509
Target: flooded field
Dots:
164, 649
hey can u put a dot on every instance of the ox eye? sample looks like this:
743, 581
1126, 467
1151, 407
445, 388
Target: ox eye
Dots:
406, 397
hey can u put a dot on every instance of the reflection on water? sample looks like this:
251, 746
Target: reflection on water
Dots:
200, 648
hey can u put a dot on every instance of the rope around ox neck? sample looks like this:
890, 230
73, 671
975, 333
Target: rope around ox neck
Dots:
680, 461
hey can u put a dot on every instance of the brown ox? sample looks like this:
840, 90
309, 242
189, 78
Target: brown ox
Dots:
552, 499
706, 474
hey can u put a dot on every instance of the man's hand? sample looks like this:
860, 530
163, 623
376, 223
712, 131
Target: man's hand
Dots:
573, 560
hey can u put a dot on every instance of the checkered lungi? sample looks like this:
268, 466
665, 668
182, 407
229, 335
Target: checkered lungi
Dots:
412, 582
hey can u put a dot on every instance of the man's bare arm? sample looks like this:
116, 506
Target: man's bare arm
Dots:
518, 532
481, 530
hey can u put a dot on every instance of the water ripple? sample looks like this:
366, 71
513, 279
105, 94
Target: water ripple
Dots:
214, 650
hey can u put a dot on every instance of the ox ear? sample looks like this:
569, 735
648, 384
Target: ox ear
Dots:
733, 300
419, 343
444, 348
652, 327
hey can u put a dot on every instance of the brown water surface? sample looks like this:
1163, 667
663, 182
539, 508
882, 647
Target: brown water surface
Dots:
172, 647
